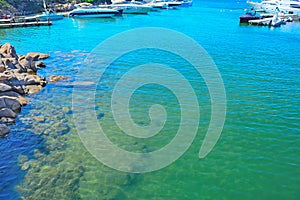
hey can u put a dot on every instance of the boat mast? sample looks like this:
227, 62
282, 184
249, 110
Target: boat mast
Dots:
45, 7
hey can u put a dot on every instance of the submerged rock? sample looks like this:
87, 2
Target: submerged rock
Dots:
32, 89
7, 112
55, 78
39, 118
35, 56
22, 159
10, 102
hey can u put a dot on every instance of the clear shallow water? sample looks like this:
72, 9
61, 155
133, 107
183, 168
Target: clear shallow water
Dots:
257, 155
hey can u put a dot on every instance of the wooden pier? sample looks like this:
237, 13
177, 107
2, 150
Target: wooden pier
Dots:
12, 24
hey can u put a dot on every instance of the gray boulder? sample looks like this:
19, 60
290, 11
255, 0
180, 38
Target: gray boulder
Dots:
22, 100
4, 130
8, 51
5, 88
32, 89
28, 64
11, 103
2, 67
17, 77
35, 56
6, 112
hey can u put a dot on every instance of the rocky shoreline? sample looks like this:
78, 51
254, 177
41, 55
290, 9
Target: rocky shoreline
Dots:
29, 7
18, 78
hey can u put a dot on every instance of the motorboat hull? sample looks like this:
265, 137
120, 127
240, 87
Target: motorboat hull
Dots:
158, 5
102, 15
136, 11
186, 3
132, 9
93, 13
288, 7
173, 4
50, 17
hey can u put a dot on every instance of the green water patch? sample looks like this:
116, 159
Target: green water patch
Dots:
139, 110
64, 169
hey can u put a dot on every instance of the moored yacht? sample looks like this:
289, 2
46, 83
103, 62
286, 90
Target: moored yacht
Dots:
265, 6
48, 14
165, 4
130, 7
173, 4
270, 6
89, 11
158, 4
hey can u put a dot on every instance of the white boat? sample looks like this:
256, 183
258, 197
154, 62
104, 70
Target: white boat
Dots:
164, 4
158, 5
167, 3
289, 10
48, 14
276, 21
131, 8
290, 7
295, 4
270, 6
265, 6
173, 4
145, 3
86, 10
93, 13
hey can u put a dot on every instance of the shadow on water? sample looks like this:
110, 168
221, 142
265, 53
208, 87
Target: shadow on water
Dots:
19, 142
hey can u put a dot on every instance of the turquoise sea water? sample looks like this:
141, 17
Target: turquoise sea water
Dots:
257, 155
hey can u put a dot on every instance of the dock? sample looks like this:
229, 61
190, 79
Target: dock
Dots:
12, 24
